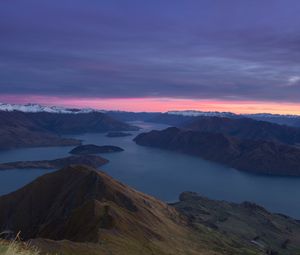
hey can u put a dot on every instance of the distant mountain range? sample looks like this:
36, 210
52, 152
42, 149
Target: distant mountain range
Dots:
245, 128
292, 120
78, 210
41, 108
193, 113
175, 118
33, 129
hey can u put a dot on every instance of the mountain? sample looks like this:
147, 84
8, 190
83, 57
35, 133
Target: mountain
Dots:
79, 211
175, 118
250, 223
113, 134
289, 120
18, 130
41, 108
256, 156
78, 123
132, 116
78, 203
95, 214
89, 160
27, 129
170, 117
193, 113
281, 119
246, 128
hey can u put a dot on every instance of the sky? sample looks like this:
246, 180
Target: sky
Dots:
158, 55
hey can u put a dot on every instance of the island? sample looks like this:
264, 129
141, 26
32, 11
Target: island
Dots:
89, 160
118, 134
94, 149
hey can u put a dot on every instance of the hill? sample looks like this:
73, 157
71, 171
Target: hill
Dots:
18, 130
27, 129
250, 223
256, 156
64, 123
77, 210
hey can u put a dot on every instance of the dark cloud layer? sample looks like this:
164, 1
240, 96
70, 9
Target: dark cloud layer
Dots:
245, 50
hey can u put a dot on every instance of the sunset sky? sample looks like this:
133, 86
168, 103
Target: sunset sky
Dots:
158, 55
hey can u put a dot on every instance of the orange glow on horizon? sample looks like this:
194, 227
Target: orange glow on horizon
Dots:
159, 104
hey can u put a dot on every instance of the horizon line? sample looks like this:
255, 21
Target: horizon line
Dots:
154, 104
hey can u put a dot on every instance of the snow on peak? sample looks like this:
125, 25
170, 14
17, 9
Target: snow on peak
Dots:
193, 113
41, 108
271, 115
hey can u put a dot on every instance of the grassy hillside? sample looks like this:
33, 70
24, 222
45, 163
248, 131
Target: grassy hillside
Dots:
79, 211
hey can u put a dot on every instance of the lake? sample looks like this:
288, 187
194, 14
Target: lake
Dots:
165, 174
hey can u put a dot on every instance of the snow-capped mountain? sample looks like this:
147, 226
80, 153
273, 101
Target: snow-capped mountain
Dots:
41, 108
271, 115
290, 120
193, 113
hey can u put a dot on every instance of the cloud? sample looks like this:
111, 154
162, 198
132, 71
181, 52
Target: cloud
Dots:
294, 80
200, 49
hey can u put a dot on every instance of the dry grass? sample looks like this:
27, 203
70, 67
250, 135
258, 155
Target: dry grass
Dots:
16, 248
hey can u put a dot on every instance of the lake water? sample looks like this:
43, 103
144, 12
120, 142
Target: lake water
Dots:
166, 174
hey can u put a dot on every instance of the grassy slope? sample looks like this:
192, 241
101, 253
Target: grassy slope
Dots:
244, 223
103, 216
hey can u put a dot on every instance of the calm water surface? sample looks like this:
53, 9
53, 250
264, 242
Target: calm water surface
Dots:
166, 174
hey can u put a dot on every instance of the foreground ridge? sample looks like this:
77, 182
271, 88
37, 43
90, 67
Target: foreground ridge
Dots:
78, 210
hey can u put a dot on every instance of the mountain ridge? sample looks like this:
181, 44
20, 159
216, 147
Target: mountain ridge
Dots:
246, 128
256, 156
78, 210
34, 129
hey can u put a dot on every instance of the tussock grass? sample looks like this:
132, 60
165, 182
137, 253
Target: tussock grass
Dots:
15, 248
